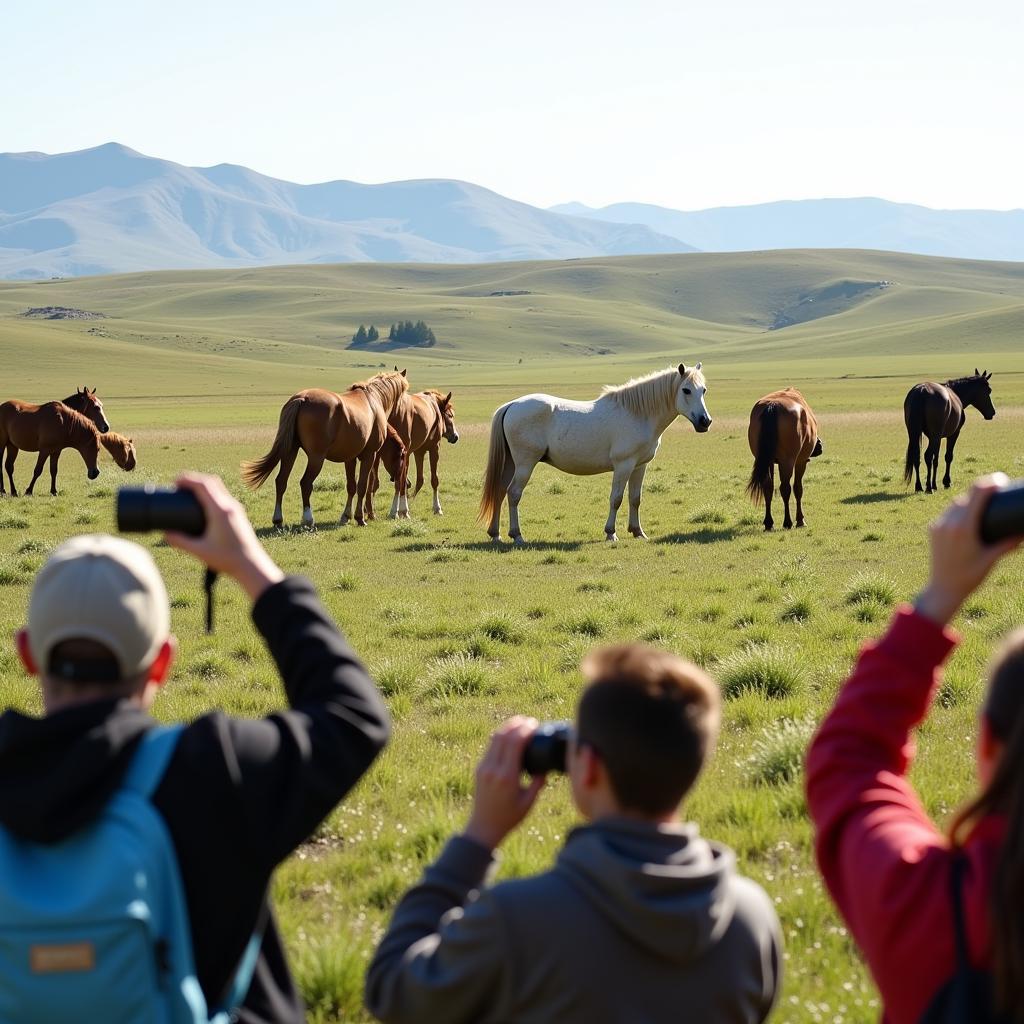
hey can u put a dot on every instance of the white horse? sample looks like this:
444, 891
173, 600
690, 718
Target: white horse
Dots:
619, 433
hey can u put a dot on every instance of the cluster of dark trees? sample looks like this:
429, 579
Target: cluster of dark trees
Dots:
401, 333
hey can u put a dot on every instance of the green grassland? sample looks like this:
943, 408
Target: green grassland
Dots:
461, 634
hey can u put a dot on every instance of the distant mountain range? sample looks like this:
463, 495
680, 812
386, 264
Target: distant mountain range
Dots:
829, 224
110, 210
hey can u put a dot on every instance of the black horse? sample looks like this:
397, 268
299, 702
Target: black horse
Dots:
937, 410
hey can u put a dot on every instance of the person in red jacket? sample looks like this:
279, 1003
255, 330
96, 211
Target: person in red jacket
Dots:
888, 867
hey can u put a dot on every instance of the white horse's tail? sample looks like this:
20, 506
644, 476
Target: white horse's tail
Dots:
498, 452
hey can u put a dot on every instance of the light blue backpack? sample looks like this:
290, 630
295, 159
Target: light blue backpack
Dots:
95, 927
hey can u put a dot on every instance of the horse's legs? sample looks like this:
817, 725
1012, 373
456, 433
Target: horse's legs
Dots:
314, 463
281, 484
520, 478
636, 486
950, 445
350, 487
798, 491
364, 478
785, 472
434, 481
12, 454
372, 484
620, 476
917, 473
494, 528
768, 490
931, 463
54, 459
40, 462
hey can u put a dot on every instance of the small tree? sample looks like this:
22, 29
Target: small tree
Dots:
360, 337
391, 333
371, 334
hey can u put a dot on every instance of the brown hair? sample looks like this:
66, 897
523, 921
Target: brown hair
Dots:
652, 718
1004, 795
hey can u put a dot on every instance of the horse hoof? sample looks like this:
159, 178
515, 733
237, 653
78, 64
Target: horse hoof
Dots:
611, 537
768, 527
277, 522
438, 512
801, 524
787, 526
519, 542
639, 534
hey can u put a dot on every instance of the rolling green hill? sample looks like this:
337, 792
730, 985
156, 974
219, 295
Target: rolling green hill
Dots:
575, 323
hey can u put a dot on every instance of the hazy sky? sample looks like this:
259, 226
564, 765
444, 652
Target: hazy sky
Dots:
685, 104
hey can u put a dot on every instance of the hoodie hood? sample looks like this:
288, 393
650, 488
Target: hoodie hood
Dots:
665, 887
58, 772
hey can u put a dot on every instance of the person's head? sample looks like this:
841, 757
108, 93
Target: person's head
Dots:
1000, 753
646, 723
98, 624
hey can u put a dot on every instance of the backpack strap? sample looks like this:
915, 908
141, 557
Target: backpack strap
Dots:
150, 760
956, 886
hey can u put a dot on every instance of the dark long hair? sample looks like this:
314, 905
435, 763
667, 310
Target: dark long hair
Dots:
1004, 795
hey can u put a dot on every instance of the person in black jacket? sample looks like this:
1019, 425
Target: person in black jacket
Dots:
239, 795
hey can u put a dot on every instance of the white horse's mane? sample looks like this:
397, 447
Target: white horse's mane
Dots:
652, 394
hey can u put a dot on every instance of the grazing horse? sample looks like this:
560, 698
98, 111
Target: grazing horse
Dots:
619, 432
939, 411
419, 421
86, 402
346, 427
49, 429
782, 430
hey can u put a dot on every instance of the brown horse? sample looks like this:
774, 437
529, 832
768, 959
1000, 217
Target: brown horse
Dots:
938, 411
49, 429
782, 430
347, 427
420, 421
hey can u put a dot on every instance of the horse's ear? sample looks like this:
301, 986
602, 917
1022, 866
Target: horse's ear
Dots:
976, 374
448, 398
682, 369
396, 367
405, 372
986, 374
94, 391
698, 366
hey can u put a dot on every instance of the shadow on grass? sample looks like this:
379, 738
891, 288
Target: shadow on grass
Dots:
486, 545
297, 528
874, 497
705, 536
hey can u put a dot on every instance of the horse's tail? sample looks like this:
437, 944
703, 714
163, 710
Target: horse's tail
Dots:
914, 411
764, 459
498, 452
419, 477
255, 472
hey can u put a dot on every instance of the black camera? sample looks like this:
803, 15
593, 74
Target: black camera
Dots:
1003, 516
546, 749
141, 509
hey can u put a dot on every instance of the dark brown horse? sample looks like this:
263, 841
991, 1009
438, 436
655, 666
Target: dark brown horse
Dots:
345, 427
49, 429
938, 411
86, 402
782, 430
420, 422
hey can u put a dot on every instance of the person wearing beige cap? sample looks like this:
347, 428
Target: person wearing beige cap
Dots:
238, 795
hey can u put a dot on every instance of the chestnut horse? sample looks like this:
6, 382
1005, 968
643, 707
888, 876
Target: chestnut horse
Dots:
420, 422
49, 429
938, 411
345, 427
782, 430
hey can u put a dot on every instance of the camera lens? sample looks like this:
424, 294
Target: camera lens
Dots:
141, 509
546, 749
1003, 516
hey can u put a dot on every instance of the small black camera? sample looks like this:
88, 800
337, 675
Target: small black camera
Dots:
546, 749
1003, 516
141, 509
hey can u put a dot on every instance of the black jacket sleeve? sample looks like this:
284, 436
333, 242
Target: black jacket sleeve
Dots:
240, 795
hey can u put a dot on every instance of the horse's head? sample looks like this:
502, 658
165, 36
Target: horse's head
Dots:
979, 393
690, 393
86, 402
447, 410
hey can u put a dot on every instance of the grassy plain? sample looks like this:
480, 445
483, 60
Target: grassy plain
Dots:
460, 634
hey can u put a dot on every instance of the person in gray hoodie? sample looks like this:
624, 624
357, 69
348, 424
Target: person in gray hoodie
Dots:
640, 921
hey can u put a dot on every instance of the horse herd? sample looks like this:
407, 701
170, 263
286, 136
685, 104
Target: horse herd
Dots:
378, 422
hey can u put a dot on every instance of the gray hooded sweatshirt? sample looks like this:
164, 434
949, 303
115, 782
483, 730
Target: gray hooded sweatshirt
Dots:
635, 924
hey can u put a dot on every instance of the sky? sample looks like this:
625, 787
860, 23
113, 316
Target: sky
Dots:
686, 105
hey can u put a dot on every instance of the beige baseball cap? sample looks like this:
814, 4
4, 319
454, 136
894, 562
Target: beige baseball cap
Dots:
100, 588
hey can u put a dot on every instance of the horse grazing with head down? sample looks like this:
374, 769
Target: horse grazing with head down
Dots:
939, 411
617, 433
419, 423
346, 427
782, 430
49, 429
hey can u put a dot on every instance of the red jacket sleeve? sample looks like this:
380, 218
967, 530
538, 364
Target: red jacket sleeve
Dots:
883, 860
